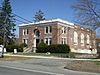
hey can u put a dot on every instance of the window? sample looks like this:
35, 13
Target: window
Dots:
25, 41
63, 30
23, 32
48, 41
88, 39
63, 40
48, 29
75, 38
26, 31
82, 39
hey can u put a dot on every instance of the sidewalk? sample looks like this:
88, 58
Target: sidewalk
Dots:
49, 57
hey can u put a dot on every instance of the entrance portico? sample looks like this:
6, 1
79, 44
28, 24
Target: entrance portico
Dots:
36, 39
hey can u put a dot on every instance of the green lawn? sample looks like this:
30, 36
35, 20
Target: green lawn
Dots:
43, 54
13, 58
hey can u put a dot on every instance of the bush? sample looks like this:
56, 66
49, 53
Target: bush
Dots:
56, 48
42, 47
23, 45
10, 48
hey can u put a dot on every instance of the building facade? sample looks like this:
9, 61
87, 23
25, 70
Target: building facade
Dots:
58, 31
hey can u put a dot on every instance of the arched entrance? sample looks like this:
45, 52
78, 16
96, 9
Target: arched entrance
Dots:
36, 38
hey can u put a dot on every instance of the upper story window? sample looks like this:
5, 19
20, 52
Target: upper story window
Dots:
48, 29
25, 31
63, 30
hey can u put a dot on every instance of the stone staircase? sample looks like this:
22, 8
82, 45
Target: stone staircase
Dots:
27, 50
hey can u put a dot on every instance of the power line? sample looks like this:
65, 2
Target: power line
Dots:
20, 21
21, 17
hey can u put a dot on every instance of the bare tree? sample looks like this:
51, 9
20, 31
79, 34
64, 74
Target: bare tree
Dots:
87, 13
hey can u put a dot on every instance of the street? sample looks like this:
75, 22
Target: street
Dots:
38, 66
10, 71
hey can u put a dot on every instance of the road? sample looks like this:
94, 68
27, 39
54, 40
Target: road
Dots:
38, 66
10, 71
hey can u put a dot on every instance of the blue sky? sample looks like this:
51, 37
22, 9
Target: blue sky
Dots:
51, 8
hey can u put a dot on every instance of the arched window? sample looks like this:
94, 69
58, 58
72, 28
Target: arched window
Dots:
88, 39
82, 39
75, 38
37, 33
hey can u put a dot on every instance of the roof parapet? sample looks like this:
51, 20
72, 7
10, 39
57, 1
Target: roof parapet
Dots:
49, 21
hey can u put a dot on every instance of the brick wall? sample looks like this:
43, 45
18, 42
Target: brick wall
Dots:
57, 35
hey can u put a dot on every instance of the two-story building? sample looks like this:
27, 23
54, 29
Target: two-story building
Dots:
58, 31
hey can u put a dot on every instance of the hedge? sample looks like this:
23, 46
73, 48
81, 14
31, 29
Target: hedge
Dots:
10, 48
56, 48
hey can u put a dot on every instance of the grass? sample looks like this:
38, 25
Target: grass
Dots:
93, 60
83, 65
13, 58
43, 54
96, 62
33, 54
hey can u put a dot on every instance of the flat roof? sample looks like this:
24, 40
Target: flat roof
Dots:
48, 21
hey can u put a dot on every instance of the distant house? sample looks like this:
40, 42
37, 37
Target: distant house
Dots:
58, 31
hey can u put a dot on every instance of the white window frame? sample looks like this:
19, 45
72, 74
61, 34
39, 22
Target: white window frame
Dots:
27, 31
23, 31
88, 39
26, 41
48, 40
63, 30
82, 39
75, 38
63, 40
48, 30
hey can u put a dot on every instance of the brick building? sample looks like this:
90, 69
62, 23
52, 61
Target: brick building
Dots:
58, 31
